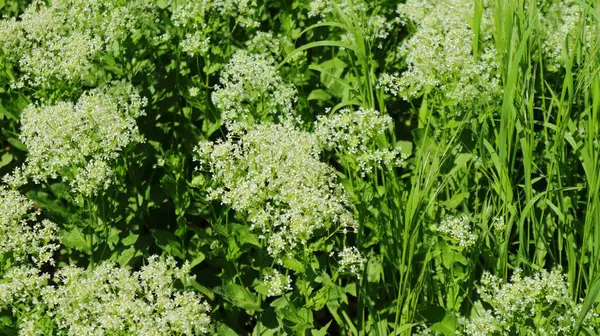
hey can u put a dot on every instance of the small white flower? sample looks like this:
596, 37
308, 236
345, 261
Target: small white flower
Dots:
351, 260
277, 283
458, 230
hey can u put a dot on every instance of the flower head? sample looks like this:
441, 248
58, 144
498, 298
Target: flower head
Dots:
111, 299
79, 141
61, 41
277, 283
351, 260
272, 173
457, 230
440, 55
252, 91
23, 236
540, 304
355, 135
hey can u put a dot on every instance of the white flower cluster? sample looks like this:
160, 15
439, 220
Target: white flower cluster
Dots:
108, 300
538, 305
373, 27
354, 135
272, 173
390, 83
351, 260
78, 141
22, 236
440, 53
277, 283
195, 44
498, 225
59, 42
252, 90
22, 285
559, 26
457, 230
264, 43
195, 16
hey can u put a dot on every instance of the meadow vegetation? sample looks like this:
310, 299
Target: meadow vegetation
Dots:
299, 167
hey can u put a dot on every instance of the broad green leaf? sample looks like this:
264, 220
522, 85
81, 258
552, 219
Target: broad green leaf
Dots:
374, 270
169, 242
319, 94
113, 237
245, 236
126, 255
130, 239
318, 300
448, 326
5, 159
77, 240
225, 330
17, 144
456, 200
239, 296
293, 264
322, 331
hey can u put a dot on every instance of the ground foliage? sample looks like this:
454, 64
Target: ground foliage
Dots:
324, 167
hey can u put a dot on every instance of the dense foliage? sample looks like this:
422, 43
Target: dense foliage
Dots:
309, 167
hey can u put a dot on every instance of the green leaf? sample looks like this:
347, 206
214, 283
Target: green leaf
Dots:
592, 297
198, 259
225, 330
261, 330
43, 200
244, 235
326, 43
448, 326
209, 127
261, 288
130, 239
214, 67
239, 296
318, 300
280, 303
322, 331
113, 237
17, 144
374, 270
169, 243
456, 200
6, 327
5, 159
162, 4
77, 240
301, 319
293, 264
406, 147
319, 94
123, 257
